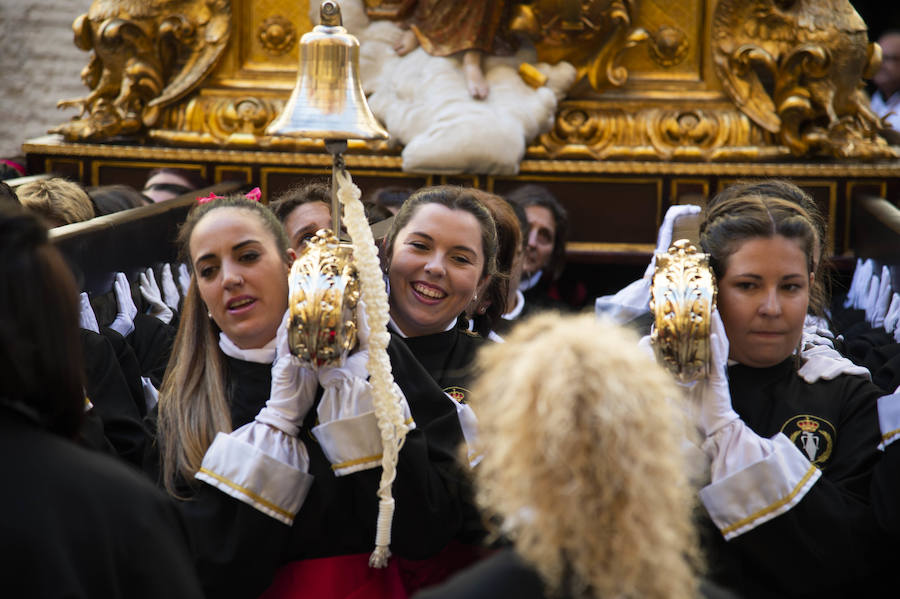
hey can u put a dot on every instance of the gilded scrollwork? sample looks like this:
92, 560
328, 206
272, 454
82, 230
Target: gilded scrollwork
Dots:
796, 67
145, 55
592, 35
714, 133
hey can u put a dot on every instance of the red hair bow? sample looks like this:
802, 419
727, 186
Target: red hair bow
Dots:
254, 194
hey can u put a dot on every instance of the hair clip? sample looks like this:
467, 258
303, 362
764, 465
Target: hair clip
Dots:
254, 194
209, 198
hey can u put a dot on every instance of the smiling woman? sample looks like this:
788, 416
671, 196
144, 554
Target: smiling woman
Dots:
790, 460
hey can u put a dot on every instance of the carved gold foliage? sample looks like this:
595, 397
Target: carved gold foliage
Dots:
233, 121
144, 56
592, 35
795, 67
277, 35
682, 300
324, 292
709, 133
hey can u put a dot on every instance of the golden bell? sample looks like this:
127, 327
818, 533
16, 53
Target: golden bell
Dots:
328, 100
682, 300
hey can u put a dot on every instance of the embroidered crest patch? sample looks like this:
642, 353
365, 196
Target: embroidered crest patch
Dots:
812, 435
459, 394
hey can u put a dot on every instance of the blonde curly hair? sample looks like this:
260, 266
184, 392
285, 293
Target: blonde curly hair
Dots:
583, 464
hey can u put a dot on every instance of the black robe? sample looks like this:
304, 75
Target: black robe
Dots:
78, 524
828, 544
239, 550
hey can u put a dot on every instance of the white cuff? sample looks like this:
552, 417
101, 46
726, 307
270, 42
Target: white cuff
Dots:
261, 466
349, 433
889, 418
761, 491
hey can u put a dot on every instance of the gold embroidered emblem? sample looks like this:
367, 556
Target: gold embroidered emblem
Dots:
459, 394
812, 435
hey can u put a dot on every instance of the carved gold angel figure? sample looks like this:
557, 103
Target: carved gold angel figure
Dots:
145, 54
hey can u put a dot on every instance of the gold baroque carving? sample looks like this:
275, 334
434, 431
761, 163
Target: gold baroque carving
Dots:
144, 56
795, 67
668, 46
592, 35
277, 35
715, 133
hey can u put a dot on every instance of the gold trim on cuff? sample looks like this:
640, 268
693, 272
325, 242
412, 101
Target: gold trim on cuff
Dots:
249, 493
356, 462
769, 509
888, 436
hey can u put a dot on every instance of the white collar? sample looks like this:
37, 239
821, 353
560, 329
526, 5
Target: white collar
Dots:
517, 309
261, 355
527, 283
397, 330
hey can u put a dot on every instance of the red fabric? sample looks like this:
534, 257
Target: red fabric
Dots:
341, 577
421, 574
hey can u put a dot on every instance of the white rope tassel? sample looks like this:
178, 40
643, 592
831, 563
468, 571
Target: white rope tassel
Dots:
386, 398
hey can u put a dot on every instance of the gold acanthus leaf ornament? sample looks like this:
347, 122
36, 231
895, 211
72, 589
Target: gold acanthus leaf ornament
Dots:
682, 300
324, 292
796, 68
145, 55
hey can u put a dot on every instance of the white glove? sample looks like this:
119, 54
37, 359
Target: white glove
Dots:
816, 332
892, 319
169, 289
861, 294
293, 388
153, 296
184, 279
853, 291
883, 300
628, 303
87, 318
872, 298
151, 394
124, 321
710, 398
823, 362
664, 237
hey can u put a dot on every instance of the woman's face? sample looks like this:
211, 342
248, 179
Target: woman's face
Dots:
241, 275
763, 298
435, 269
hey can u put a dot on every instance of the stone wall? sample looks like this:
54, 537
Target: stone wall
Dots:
40, 65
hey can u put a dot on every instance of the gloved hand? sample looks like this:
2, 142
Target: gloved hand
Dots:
293, 388
124, 321
87, 318
169, 290
824, 362
710, 398
883, 300
852, 292
153, 296
861, 291
664, 237
892, 319
184, 279
871, 298
816, 332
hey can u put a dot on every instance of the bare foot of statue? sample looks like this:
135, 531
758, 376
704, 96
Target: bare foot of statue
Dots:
475, 81
406, 44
